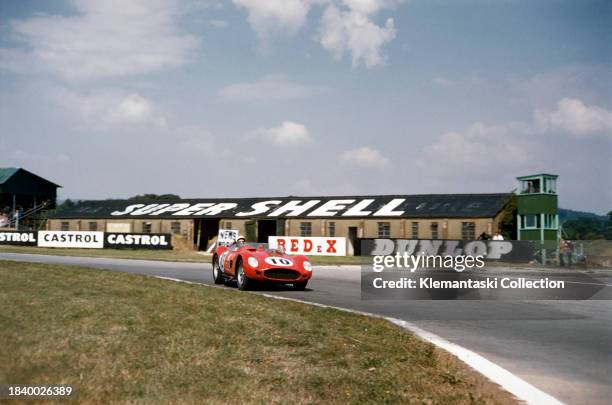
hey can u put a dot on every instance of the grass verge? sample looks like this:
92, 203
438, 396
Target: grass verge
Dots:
162, 255
122, 337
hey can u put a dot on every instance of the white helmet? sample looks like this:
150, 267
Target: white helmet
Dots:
239, 238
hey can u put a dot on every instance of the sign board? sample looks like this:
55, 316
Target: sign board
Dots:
71, 239
226, 237
16, 238
137, 240
313, 246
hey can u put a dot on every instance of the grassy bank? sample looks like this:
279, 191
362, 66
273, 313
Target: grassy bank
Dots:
163, 255
121, 337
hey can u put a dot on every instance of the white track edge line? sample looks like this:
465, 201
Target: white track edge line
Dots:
515, 385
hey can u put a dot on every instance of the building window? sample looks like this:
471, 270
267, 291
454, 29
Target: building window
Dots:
434, 230
93, 226
175, 227
65, 226
531, 221
384, 229
305, 228
550, 221
468, 230
530, 186
228, 225
146, 227
415, 230
551, 186
331, 229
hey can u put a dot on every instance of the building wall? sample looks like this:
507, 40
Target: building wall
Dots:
448, 228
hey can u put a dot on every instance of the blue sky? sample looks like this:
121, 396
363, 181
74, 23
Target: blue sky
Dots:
304, 97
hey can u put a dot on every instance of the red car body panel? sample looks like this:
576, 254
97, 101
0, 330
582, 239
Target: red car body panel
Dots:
272, 266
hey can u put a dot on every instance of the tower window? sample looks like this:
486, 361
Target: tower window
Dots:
531, 221
530, 186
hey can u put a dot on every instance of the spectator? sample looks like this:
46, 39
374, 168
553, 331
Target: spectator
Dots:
498, 235
484, 236
4, 221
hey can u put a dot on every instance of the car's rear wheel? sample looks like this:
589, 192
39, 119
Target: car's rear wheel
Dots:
244, 283
217, 273
300, 286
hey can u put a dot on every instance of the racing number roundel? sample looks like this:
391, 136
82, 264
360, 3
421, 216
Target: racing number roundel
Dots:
278, 261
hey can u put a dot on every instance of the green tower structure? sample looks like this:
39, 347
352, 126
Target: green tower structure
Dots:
537, 203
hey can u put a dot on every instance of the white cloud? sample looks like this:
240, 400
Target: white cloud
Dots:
110, 107
288, 134
476, 150
271, 88
218, 23
574, 117
353, 32
268, 16
364, 157
106, 38
442, 81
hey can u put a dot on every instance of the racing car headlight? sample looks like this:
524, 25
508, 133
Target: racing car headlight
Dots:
253, 262
307, 266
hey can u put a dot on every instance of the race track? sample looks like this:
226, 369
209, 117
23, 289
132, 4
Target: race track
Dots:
562, 347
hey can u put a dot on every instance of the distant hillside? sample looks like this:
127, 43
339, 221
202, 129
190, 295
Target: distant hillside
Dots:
568, 215
585, 225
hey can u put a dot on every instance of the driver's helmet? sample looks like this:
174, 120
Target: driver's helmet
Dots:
240, 240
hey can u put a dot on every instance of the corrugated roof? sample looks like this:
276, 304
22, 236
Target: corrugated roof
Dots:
6, 173
413, 206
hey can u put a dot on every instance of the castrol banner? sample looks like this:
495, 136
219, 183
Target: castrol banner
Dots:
313, 246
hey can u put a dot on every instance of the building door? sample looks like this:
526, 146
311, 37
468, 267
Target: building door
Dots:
354, 247
205, 231
265, 228
249, 230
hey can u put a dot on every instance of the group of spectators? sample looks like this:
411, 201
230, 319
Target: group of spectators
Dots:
5, 217
486, 236
4, 220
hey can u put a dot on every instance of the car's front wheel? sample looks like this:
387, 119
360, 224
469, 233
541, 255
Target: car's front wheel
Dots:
217, 273
244, 283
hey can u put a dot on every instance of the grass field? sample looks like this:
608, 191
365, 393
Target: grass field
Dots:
122, 337
163, 255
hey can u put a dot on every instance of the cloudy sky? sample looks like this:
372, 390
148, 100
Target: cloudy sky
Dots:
113, 98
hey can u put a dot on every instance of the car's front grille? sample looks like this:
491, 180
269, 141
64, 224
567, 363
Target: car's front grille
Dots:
282, 274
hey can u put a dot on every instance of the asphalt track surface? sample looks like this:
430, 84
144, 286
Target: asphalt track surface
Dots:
564, 348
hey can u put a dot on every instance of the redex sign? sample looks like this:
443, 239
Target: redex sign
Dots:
137, 240
314, 246
68, 239
16, 238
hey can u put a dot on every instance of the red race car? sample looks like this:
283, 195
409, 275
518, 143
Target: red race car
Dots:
250, 262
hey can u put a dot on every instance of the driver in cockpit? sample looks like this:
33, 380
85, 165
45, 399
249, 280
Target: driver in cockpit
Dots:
240, 241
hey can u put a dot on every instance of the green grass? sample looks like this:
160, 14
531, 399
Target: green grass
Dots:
162, 255
129, 338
